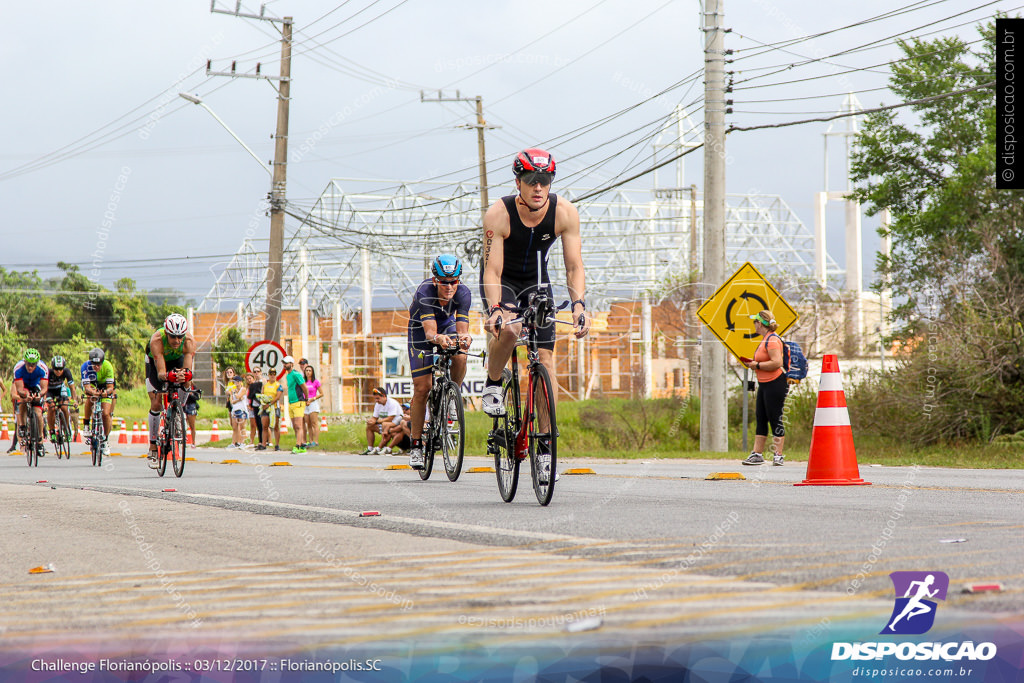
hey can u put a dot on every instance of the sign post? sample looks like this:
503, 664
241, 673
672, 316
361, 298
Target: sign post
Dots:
727, 314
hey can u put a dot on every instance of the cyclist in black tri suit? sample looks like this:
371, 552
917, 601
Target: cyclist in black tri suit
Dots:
518, 232
58, 377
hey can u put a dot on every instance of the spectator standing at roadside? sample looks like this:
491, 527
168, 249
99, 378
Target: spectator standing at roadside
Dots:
386, 412
255, 420
239, 411
312, 414
296, 402
772, 388
271, 401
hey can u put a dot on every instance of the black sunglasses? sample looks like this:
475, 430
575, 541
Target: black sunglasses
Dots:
536, 178
448, 283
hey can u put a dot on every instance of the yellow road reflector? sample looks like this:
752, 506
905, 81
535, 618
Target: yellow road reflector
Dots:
721, 476
48, 569
187, 459
398, 467
475, 470
579, 470
230, 462
280, 464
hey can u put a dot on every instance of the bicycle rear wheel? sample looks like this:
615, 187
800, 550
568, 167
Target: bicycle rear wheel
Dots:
177, 434
452, 430
543, 435
162, 445
432, 440
503, 441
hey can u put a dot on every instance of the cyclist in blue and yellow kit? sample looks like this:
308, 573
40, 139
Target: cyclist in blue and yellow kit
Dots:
438, 315
29, 381
98, 385
171, 348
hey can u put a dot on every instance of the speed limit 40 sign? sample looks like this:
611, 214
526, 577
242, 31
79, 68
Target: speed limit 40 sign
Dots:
266, 355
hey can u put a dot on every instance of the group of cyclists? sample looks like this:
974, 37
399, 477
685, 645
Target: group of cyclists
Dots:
169, 357
37, 385
518, 232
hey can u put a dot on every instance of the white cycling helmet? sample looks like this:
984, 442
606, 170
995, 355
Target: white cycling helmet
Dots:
176, 325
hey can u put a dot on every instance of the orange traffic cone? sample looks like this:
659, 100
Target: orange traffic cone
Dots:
78, 436
323, 423
144, 432
136, 434
214, 436
123, 436
5, 435
833, 461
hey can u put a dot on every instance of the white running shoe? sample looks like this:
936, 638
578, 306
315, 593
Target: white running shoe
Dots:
491, 399
544, 465
416, 460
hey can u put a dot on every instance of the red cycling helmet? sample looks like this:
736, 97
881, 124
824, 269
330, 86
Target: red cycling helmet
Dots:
533, 160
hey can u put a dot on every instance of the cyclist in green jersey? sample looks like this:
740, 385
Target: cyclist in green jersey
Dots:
171, 348
98, 385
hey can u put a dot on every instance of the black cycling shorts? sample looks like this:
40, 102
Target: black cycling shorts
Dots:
152, 382
514, 295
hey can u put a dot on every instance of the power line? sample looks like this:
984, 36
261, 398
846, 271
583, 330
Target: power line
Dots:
909, 103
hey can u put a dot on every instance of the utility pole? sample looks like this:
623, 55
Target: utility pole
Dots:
275, 257
480, 125
714, 435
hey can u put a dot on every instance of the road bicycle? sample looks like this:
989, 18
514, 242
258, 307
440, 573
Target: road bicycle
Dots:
527, 429
172, 433
61, 436
446, 430
34, 430
97, 435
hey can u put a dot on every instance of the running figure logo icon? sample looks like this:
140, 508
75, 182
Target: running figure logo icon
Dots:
914, 613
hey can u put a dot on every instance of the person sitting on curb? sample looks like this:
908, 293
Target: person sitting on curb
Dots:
386, 411
399, 436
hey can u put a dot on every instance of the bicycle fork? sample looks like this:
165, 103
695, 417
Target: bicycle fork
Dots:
523, 437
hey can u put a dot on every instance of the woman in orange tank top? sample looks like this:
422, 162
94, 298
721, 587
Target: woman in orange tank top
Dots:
772, 388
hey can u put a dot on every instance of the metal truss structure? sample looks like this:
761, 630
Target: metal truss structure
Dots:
356, 237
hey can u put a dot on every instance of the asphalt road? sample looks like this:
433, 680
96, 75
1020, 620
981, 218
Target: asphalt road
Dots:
648, 548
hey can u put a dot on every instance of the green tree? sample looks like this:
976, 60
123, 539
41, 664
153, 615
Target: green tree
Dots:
958, 247
229, 351
128, 331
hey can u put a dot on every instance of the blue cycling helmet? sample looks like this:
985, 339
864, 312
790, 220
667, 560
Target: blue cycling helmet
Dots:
447, 266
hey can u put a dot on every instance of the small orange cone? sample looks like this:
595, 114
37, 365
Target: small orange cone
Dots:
136, 434
78, 436
5, 435
123, 436
833, 460
323, 423
214, 436
144, 432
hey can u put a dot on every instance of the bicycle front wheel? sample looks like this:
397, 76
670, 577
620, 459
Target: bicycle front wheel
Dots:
503, 442
64, 431
543, 435
177, 432
35, 441
452, 429
96, 441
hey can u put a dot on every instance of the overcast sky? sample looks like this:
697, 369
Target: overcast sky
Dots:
137, 173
